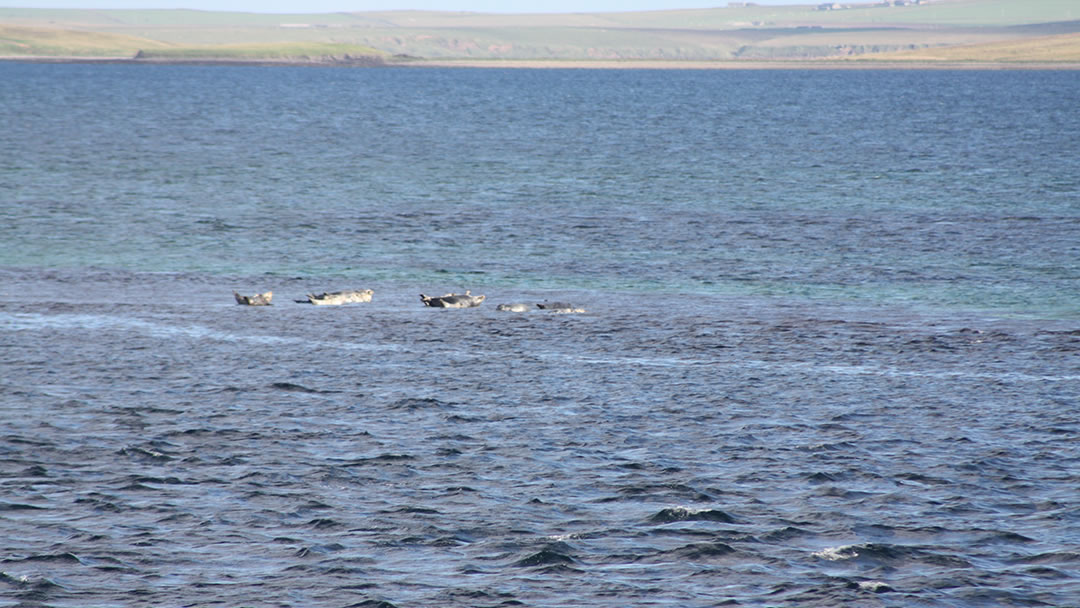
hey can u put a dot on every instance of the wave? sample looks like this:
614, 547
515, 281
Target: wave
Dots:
675, 514
884, 554
37, 321
296, 388
691, 553
15, 506
545, 557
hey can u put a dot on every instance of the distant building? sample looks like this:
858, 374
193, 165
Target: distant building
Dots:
740, 4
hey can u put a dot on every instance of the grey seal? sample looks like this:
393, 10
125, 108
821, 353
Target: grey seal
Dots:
259, 299
336, 298
452, 300
559, 307
516, 307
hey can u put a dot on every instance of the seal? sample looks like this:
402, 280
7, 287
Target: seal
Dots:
516, 307
336, 298
559, 307
259, 299
452, 300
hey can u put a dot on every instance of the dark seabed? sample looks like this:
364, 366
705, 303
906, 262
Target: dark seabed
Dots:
830, 353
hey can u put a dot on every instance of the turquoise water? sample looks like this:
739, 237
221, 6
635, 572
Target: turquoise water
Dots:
955, 189
830, 353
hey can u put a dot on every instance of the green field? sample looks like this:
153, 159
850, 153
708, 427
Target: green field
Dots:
37, 41
796, 32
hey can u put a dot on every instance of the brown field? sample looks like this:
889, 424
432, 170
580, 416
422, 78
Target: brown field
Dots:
1063, 48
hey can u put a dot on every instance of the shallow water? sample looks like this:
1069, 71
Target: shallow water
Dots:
847, 376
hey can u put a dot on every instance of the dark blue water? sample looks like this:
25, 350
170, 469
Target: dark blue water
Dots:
830, 353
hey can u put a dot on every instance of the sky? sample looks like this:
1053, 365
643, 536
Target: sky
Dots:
329, 6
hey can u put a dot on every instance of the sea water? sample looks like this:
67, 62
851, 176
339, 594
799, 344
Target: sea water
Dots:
830, 353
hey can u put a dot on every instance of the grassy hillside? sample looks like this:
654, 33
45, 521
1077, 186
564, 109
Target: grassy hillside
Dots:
953, 13
21, 41
755, 32
35, 41
306, 52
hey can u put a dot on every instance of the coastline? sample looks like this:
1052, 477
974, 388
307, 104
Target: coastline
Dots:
364, 61
585, 64
791, 64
